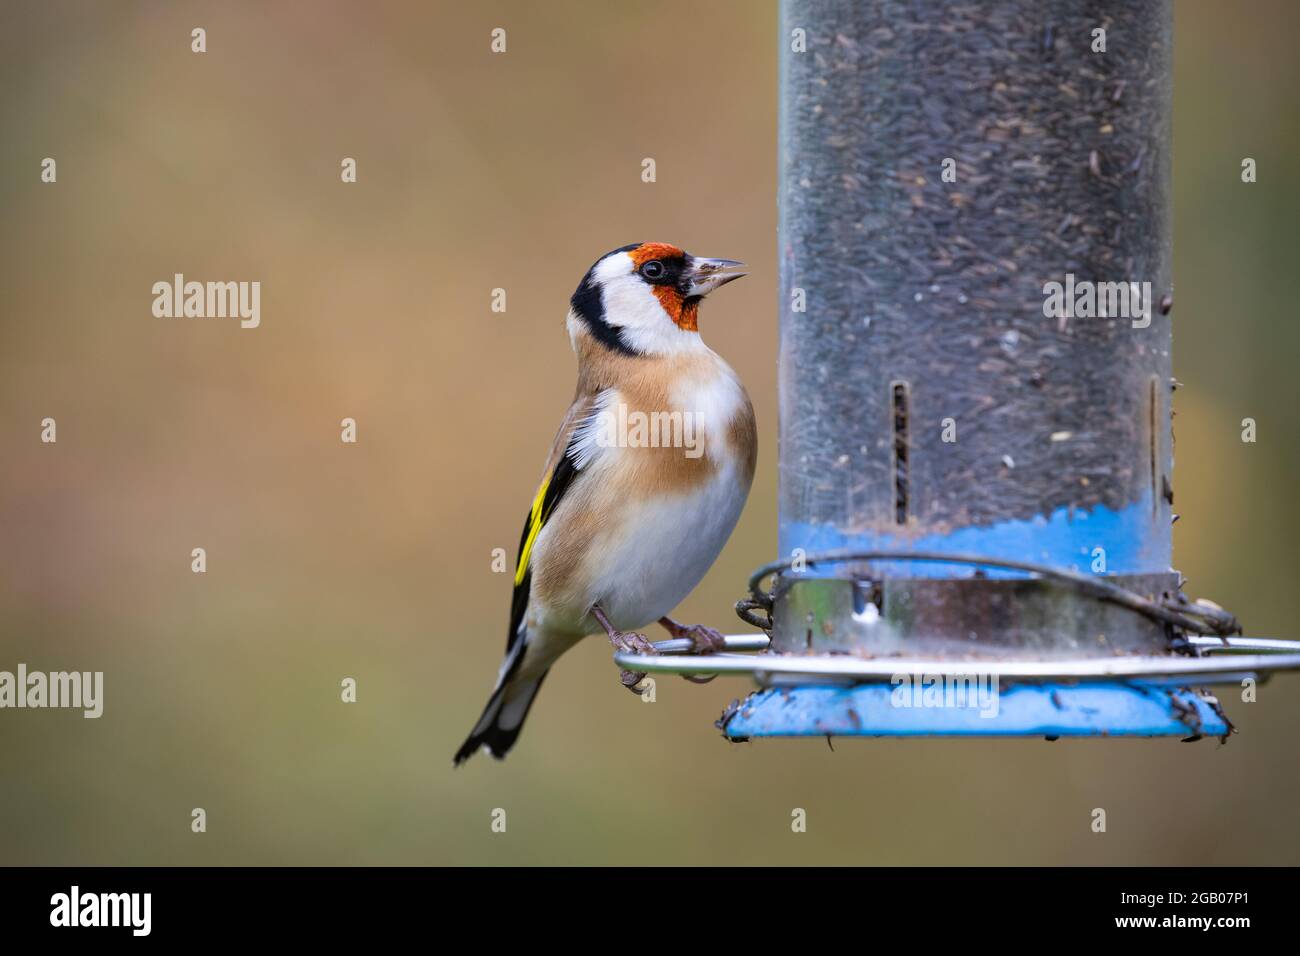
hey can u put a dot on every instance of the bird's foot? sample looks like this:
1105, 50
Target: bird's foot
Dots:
632, 643
704, 640
629, 643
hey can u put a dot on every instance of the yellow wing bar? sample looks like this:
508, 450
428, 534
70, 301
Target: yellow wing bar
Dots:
534, 526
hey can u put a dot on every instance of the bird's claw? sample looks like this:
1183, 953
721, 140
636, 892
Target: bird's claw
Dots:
699, 678
632, 643
704, 640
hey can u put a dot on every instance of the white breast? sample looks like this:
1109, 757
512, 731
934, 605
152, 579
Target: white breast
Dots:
664, 546
663, 549
715, 400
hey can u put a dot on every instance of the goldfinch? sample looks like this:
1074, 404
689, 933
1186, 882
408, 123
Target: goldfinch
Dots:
644, 483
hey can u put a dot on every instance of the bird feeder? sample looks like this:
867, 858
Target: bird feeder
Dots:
976, 457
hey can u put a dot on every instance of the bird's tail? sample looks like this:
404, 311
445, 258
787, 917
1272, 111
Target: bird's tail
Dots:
502, 719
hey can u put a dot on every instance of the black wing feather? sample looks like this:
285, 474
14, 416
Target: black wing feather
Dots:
559, 482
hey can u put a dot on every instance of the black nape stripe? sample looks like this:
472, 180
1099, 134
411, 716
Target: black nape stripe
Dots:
587, 304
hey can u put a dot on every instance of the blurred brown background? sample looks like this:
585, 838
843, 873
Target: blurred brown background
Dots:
328, 560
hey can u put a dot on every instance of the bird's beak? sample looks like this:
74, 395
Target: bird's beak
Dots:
705, 275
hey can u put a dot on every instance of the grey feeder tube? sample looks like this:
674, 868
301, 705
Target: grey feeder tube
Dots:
941, 165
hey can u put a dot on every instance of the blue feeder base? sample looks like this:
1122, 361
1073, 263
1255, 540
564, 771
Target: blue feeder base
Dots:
1098, 709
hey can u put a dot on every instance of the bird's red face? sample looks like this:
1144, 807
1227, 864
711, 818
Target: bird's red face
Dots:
644, 297
658, 264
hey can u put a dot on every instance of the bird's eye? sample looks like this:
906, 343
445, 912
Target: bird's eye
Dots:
652, 270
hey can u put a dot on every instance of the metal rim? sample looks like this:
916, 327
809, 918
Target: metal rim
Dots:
1229, 660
